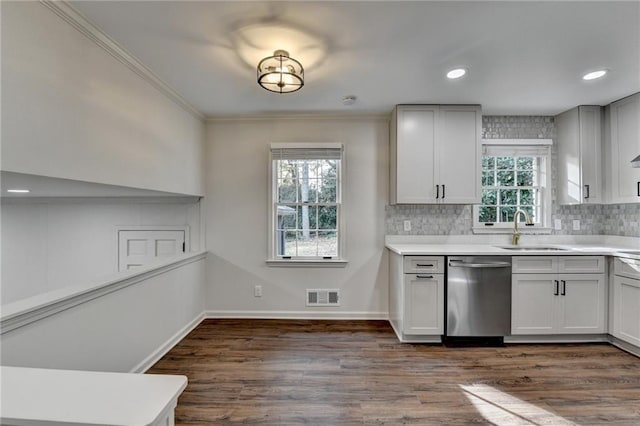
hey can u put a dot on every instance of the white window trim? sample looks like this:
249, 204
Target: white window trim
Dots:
507, 228
300, 261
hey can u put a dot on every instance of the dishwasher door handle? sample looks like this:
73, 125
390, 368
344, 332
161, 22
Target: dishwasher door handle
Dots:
461, 264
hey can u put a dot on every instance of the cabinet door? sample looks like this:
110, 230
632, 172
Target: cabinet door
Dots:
626, 309
581, 308
533, 303
569, 189
423, 304
415, 145
625, 146
591, 154
458, 154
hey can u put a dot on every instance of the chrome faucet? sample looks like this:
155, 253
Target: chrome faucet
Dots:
516, 234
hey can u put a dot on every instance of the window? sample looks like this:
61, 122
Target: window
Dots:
513, 177
306, 202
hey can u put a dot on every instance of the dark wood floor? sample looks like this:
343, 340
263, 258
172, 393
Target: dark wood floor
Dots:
356, 372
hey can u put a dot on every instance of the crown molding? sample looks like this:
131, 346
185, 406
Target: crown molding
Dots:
300, 116
81, 23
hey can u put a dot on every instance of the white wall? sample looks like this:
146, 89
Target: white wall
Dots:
71, 110
47, 245
237, 153
122, 331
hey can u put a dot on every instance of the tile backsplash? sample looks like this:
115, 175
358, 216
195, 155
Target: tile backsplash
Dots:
614, 219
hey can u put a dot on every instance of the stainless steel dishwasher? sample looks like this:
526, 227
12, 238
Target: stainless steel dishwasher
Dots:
479, 296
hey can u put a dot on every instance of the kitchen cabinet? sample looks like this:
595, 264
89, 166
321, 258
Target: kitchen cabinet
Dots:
623, 183
416, 297
579, 140
626, 301
435, 154
553, 301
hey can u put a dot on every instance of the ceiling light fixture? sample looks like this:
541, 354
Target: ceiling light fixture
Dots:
593, 75
18, 191
456, 73
280, 73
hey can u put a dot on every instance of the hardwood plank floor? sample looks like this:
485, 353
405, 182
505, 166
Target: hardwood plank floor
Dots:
356, 372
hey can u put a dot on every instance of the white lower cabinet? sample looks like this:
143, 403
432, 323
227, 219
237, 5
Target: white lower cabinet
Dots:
416, 297
558, 303
626, 301
424, 304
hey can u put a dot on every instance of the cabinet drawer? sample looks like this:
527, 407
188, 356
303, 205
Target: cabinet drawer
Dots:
627, 268
581, 264
534, 264
420, 264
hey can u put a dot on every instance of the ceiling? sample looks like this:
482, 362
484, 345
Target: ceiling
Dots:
522, 57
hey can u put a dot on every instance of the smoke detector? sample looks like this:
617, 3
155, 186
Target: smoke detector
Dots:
349, 100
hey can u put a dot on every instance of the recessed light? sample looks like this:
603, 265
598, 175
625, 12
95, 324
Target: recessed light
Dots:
456, 73
20, 191
593, 75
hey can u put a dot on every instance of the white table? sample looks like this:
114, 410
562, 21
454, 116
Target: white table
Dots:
36, 396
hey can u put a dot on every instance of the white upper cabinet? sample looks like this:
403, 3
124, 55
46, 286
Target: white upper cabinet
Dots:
623, 183
413, 139
579, 155
435, 154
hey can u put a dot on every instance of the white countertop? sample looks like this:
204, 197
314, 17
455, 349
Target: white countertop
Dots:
452, 246
38, 396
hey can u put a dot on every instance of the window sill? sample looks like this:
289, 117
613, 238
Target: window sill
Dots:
509, 230
294, 263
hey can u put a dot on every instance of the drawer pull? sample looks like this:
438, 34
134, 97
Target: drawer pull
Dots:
424, 276
424, 265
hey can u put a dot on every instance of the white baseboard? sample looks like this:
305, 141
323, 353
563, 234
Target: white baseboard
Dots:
155, 356
628, 347
299, 315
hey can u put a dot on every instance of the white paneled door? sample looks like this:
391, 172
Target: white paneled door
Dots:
140, 248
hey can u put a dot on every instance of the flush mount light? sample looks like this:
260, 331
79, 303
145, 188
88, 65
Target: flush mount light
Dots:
456, 73
593, 75
18, 191
280, 73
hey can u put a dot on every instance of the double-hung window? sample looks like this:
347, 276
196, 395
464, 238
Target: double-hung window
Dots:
515, 177
306, 202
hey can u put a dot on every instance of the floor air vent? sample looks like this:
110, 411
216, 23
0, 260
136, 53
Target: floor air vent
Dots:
323, 297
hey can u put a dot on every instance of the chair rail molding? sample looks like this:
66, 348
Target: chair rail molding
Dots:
27, 311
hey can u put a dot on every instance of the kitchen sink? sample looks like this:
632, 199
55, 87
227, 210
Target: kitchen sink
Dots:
532, 248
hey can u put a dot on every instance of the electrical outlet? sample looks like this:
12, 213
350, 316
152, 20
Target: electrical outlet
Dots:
557, 224
257, 291
407, 225
576, 224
